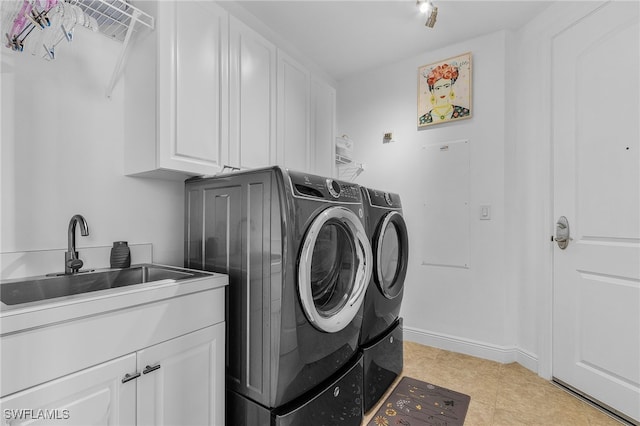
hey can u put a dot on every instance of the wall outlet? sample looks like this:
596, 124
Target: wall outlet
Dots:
387, 137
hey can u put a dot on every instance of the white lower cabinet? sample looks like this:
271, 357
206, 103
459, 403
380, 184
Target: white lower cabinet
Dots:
182, 381
94, 396
177, 382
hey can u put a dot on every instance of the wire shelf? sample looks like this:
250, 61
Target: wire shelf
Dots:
349, 171
114, 17
50, 22
28, 24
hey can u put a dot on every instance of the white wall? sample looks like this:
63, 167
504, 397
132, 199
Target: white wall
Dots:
62, 154
469, 310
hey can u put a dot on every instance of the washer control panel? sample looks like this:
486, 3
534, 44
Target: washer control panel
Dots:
384, 199
312, 186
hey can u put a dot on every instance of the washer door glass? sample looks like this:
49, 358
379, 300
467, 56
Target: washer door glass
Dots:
334, 269
391, 248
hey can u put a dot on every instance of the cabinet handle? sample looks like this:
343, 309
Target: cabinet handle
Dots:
148, 369
128, 377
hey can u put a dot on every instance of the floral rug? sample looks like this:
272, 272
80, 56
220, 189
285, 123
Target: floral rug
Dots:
417, 403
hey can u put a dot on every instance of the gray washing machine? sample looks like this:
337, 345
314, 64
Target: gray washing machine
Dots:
299, 261
381, 337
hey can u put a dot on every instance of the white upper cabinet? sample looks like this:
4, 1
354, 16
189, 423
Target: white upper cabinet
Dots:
323, 113
205, 90
294, 148
176, 103
252, 97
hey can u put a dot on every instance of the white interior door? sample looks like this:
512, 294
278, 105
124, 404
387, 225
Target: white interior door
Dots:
595, 122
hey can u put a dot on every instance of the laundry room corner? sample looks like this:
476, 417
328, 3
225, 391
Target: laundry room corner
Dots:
455, 307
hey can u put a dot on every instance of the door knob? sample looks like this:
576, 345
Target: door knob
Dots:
562, 232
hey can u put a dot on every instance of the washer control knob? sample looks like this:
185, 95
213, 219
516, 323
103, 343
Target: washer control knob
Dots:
333, 187
387, 198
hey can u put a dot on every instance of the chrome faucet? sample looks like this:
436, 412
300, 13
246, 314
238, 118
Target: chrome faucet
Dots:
71, 261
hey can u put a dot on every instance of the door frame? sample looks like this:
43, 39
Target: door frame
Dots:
537, 39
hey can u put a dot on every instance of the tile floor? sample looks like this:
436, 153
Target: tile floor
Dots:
501, 394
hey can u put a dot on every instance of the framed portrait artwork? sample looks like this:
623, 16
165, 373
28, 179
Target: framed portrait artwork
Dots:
444, 91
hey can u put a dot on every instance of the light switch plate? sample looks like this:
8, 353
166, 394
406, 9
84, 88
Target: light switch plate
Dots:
485, 212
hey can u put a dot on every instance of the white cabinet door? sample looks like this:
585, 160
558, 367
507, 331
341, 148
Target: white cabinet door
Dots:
95, 396
293, 114
252, 97
176, 104
192, 83
182, 380
323, 112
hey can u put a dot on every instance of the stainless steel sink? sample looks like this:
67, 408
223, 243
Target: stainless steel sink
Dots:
15, 292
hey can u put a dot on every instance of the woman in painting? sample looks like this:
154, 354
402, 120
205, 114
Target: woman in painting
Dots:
440, 81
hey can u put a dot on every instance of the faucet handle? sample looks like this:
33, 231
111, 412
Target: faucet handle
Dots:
73, 263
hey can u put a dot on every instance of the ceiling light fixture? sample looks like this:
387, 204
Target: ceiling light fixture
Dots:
426, 7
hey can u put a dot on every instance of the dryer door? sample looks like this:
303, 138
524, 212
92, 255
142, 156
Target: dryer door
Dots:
391, 254
334, 269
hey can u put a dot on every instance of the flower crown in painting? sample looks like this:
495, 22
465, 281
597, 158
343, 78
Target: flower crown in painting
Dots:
446, 71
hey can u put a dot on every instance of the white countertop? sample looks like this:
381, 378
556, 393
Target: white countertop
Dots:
18, 318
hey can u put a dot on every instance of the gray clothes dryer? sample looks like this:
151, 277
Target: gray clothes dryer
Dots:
381, 337
299, 262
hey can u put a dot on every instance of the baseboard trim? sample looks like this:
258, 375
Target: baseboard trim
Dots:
527, 360
501, 354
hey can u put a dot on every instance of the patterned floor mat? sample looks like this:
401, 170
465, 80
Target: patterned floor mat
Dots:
417, 403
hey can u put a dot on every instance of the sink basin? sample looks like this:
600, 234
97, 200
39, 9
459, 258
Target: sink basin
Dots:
35, 289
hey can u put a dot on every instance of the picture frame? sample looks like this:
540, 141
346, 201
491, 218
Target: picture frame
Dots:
444, 91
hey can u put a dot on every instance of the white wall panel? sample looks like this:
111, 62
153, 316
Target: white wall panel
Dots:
445, 195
